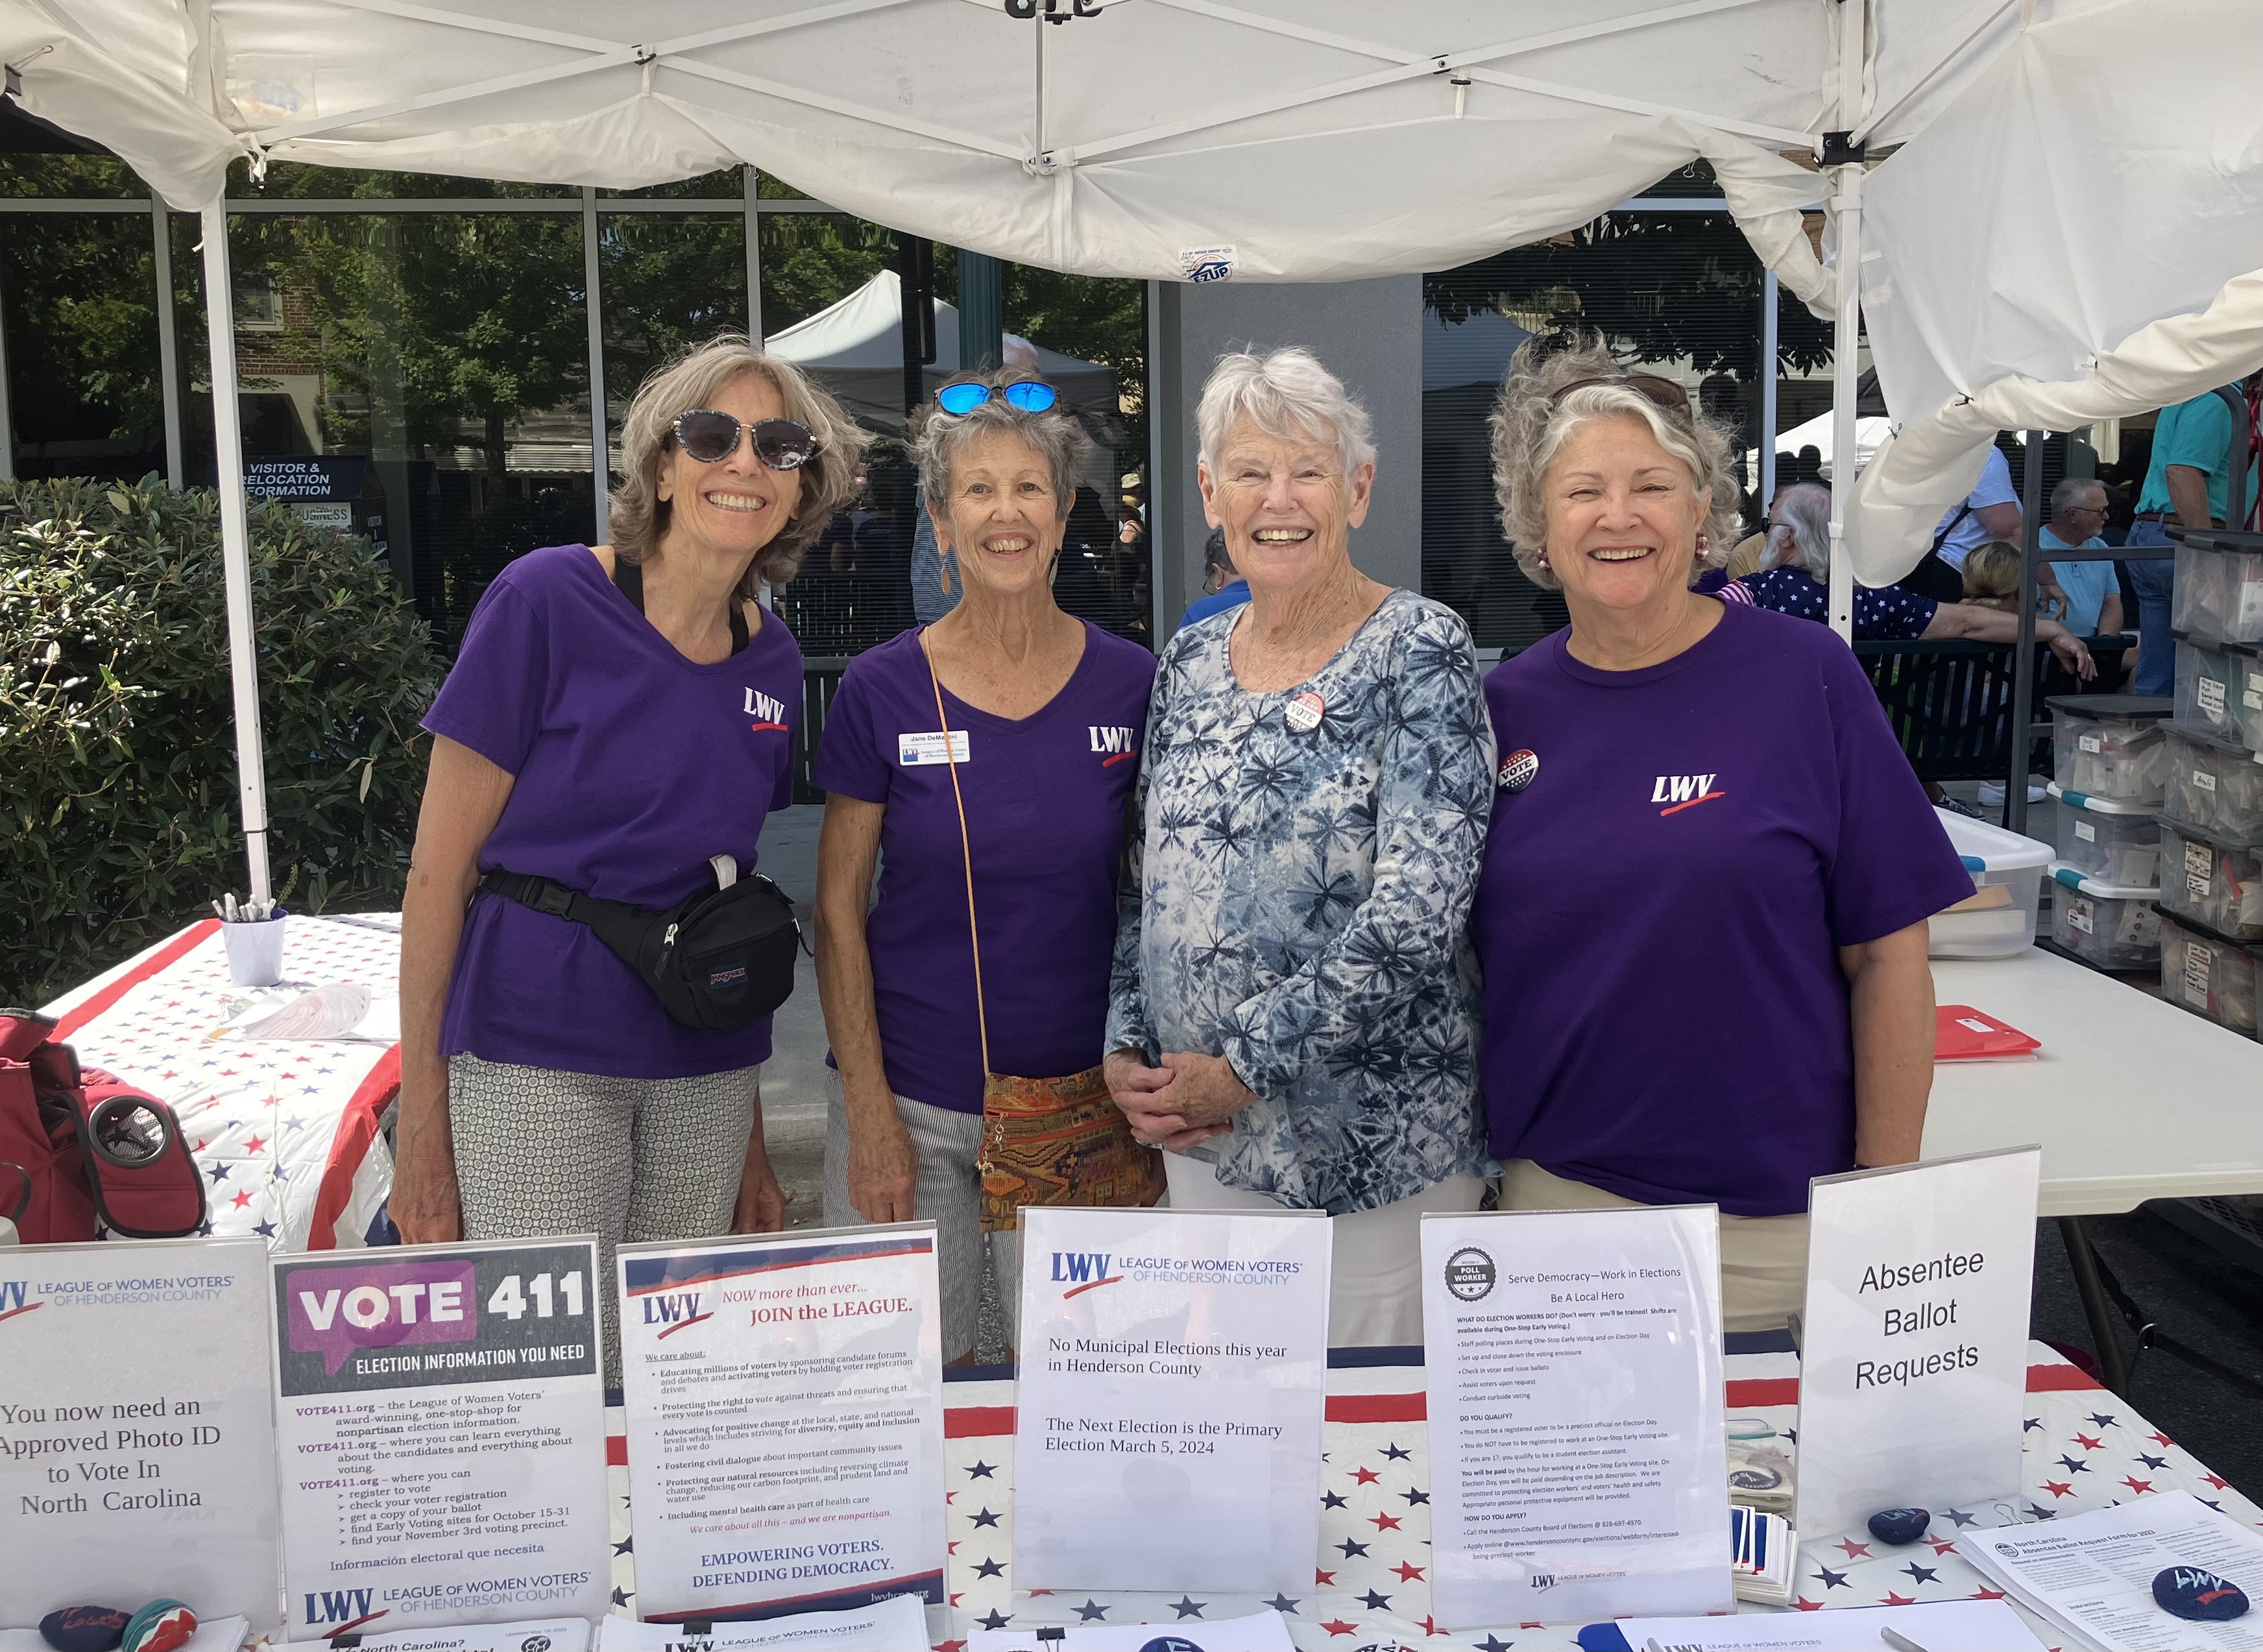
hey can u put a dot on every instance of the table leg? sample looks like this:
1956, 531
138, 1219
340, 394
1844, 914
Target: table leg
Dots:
2113, 1364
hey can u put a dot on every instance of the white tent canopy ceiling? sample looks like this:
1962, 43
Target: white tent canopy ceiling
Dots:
2058, 176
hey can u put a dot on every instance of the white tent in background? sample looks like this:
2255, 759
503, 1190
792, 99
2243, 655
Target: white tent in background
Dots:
1316, 140
1870, 433
857, 345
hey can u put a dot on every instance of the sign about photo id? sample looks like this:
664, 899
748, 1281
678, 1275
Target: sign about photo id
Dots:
1576, 1453
441, 1425
1913, 1349
1174, 1368
135, 1427
785, 1412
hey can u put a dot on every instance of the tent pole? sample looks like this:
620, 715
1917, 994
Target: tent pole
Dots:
235, 544
169, 344
2023, 653
1843, 159
1769, 371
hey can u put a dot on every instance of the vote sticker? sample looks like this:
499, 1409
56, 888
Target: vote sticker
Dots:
1469, 1274
1302, 713
1517, 770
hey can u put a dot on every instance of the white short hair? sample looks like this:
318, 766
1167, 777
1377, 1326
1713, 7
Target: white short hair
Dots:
1287, 394
1806, 508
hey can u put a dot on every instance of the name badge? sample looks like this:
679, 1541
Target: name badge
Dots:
917, 751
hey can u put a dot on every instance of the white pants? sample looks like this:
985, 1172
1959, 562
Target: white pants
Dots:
1375, 1298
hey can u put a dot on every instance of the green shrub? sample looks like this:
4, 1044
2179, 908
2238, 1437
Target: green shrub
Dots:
118, 810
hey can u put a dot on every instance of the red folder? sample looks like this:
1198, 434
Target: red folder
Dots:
1962, 1033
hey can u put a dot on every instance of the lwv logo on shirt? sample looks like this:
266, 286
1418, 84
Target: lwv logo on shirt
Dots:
766, 712
1119, 742
1683, 791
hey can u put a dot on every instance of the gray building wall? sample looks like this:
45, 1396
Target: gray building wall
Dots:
1368, 333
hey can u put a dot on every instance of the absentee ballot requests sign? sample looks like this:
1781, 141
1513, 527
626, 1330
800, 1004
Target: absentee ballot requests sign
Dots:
441, 1426
784, 1420
136, 1437
1174, 1369
1914, 1342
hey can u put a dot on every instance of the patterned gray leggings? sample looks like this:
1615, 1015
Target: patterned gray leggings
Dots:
541, 1152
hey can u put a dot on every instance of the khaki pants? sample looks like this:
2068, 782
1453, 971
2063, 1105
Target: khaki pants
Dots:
1763, 1258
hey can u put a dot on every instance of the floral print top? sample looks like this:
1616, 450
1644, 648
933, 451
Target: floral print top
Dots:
1299, 903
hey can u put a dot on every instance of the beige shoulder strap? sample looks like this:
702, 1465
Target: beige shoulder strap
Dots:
966, 850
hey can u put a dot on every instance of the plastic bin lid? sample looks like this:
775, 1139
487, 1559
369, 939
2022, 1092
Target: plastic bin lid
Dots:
2082, 884
2136, 707
2084, 801
2217, 645
2250, 843
1990, 848
2193, 926
2200, 736
2218, 539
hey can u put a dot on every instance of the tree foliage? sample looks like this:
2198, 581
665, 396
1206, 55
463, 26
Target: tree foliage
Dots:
118, 816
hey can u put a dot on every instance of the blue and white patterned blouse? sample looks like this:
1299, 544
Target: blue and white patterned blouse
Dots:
1299, 903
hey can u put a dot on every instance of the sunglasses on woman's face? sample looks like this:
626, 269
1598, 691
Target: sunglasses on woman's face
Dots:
711, 437
1662, 393
1027, 394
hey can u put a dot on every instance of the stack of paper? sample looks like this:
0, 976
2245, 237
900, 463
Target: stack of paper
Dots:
1942, 1626
2091, 1574
1265, 1631
886, 1626
1761, 1552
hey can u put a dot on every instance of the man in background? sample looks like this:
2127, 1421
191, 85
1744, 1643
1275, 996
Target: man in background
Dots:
1991, 511
2094, 597
2187, 485
1222, 587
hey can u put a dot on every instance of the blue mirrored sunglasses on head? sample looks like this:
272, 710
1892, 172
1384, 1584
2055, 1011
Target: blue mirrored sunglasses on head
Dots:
1028, 394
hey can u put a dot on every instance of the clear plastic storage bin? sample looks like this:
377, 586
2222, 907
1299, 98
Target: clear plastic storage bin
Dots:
2219, 590
1999, 920
2122, 849
2220, 689
2113, 926
2215, 880
2208, 976
2213, 782
2109, 746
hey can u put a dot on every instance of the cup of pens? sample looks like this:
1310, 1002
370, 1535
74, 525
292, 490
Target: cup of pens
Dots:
253, 930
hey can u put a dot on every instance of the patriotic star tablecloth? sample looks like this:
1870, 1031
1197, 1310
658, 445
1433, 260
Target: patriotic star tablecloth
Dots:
285, 1129
1369, 1589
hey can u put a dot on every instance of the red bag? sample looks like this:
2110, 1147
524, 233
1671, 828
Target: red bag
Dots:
80, 1150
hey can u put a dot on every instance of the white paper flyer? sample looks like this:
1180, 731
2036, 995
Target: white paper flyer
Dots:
1172, 1373
1575, 1398
785, 1412
441, 1423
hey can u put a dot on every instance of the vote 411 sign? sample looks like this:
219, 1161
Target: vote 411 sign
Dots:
441, 1425
1914, 1354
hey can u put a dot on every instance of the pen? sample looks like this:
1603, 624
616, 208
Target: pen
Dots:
1899, 1642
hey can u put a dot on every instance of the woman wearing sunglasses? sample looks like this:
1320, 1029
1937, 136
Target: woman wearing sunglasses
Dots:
618, 714
1703, 915
984, 762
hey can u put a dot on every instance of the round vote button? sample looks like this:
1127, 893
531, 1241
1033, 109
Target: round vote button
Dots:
1518, 770
1469, 1274
1302, 713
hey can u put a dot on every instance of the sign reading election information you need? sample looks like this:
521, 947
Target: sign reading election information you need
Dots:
135, 1433
1913, 1349
441, 1423
1577, 1453
785, 1401
1174, 1368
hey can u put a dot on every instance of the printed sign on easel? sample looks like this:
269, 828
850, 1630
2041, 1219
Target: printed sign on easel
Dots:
1913, 1347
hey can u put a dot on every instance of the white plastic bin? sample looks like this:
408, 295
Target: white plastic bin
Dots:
2215, 880
2113, 926
2122, 849
1998, 920
2109, 746
2209, 975
2213, 782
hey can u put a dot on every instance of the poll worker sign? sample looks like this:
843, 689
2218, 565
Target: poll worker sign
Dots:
136, 1437
441, 1425
784, 1421
1577, 1452
1913, 1347
1174, 1368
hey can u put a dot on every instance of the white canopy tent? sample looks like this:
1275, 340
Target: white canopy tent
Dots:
857, 345
2070, 180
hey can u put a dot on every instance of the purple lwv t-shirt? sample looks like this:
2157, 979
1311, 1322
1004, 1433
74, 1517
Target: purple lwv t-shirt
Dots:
1662, 904
1045, 812
633, 765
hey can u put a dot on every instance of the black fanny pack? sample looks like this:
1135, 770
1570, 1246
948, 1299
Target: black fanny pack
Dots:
719, 959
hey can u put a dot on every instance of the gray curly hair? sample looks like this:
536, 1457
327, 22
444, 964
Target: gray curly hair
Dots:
1054, 436
1530, 424
829, 480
